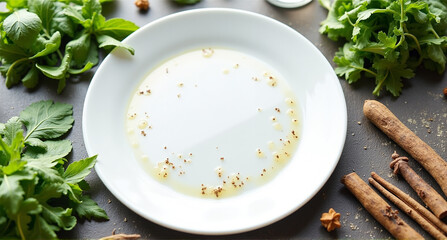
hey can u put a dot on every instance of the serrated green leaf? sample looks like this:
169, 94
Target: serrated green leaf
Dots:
47, 120
390, 75
10, 130
42, 230
78, 170
349, 65
13, 166
22, 27
59, 216
89, 209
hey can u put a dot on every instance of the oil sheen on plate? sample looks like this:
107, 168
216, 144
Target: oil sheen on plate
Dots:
213, 123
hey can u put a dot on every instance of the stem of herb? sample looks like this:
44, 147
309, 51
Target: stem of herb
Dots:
380, 85
15, 63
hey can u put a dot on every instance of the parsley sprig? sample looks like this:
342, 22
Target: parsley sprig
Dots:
387, 39
38, 196
55, 38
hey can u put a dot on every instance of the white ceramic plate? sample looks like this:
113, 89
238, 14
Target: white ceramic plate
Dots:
310, 76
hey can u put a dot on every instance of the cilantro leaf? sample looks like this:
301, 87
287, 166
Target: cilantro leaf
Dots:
388, 40
89, 209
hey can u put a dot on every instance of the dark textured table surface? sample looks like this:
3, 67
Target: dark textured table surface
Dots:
422, 107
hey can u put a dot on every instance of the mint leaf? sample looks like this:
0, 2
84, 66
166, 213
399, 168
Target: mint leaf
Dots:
47, 120
22, 27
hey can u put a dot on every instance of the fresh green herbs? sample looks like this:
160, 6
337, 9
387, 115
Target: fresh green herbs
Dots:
55, 38
38, 197
387, 39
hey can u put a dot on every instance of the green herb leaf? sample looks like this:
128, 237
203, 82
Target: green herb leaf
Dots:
57, 72
51, 46
47, 120
80, 48
22, 27
387, 40
31, 79
11, 192
11, 52
108, 42
77, 171
89, 209
37, 196
117, 28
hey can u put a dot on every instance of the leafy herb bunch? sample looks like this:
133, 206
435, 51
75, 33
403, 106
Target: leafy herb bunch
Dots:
387, 39
56, 38
38, 196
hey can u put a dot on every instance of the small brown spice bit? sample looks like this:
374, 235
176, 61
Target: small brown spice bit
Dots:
142, 4
330, 220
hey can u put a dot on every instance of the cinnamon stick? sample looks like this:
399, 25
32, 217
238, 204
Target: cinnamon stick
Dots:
378, 208
411, 202
386, 121
429, 196
416, 216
